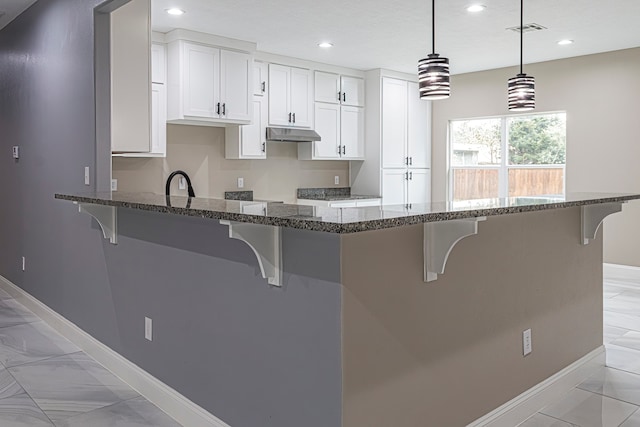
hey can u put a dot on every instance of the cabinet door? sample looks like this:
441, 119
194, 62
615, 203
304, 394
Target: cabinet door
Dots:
352, 91
352, 132
301, 97
158, 119
418, 129
235, 81
419, 188
253, 137
260, 74
394, 123
158, 64
327, 87
394, 185
279, 94
201, 80
328, 127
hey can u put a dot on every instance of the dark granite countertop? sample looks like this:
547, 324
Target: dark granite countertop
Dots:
339, 220
331, 194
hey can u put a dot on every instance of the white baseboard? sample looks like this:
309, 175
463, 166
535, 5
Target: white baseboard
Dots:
548, 391
164, 397
622, 272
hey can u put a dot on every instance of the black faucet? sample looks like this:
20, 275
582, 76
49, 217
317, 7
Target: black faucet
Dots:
189, 187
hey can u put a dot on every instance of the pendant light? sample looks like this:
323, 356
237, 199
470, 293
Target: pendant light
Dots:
522, 91
433, 71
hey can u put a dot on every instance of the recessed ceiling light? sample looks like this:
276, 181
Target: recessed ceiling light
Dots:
175, 11
325, 45
565, 42
476, 8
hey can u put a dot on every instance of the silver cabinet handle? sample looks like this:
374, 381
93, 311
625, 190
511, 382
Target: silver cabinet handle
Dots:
264, 87
339, 96
344, 150
406, 176
218, 108
339, 149
411, 161
289, 117
411, 176
224, 109
344, 96
264, 147
294, 117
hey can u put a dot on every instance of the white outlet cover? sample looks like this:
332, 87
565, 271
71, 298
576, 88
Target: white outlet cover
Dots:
526, 342
240, 182
336, 180
24, 264
114, 185
182, 183
148, 329
87, 179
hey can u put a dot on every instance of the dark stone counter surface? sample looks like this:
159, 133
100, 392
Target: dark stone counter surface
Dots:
339, 220
331, 194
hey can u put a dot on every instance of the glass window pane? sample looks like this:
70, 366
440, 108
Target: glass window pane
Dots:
537, 140
536, 182
470, 183
475, 142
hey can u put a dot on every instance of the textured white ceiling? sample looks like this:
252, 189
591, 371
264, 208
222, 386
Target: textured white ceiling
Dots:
395, 34
9, 9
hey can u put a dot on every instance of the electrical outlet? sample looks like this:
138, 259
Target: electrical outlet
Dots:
16, 152
114, 185
240, 182
336, 180
526, 342
24, 264
148, 329
87, 179
182, 183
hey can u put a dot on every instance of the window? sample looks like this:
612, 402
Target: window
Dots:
507, 156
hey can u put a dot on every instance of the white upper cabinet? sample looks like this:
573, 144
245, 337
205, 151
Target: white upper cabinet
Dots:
208, 85
279, 95
249, 141
235, 79
327, 87
301, 97
336, 89
290, 96
394, 123
419, 129
352, 91
260, 78
328, 127
201, 70
352, 132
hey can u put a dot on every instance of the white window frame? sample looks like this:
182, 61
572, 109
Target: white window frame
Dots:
503, 167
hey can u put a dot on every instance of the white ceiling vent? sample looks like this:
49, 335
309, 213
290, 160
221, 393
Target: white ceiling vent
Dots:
527, 28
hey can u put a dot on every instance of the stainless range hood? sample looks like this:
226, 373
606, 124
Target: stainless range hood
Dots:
291, 135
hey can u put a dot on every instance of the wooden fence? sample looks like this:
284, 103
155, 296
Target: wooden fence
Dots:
483, 183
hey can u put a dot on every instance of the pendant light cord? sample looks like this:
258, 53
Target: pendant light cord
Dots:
521, 32
433, 26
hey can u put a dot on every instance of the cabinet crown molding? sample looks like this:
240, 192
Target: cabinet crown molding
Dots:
210, 39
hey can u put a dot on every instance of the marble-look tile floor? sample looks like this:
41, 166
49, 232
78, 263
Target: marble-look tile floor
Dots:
610, 397
47, 381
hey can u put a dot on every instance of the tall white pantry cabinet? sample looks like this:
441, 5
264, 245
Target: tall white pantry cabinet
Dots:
398, 129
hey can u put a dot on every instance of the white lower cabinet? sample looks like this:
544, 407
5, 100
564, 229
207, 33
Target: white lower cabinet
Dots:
406, 187
249, 141
342, 131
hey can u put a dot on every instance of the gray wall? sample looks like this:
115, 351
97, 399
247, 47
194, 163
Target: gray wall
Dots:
250, 354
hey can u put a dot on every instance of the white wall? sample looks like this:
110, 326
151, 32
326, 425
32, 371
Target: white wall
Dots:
600, 94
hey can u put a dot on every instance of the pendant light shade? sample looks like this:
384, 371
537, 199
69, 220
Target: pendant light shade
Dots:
522, 88
433, 71
522, 93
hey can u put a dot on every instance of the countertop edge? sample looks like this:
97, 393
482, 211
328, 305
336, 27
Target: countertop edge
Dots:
343, 228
